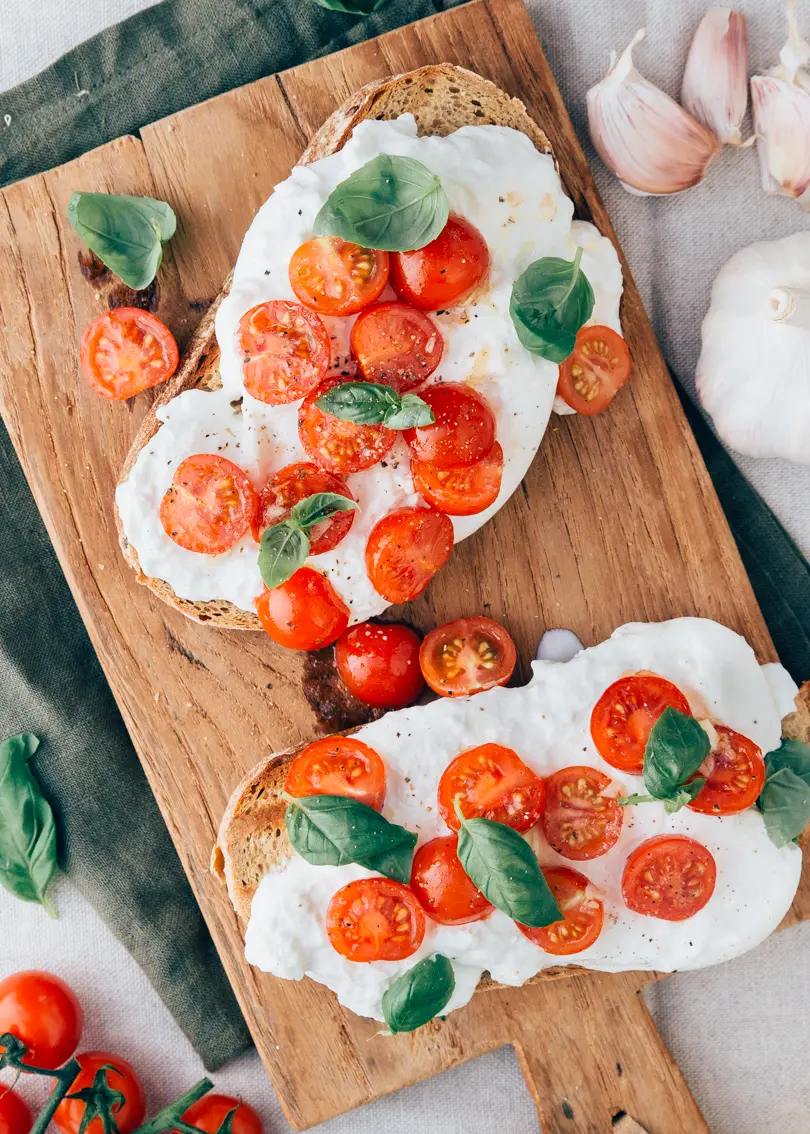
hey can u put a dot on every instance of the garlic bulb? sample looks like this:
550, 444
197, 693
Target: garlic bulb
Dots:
648, 140
753, 375
781, 107
715, 83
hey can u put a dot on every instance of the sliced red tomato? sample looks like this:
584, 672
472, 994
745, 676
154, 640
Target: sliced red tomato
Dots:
580, 821
128, 1114
460, 490
209, 506
305, 613
285, 351
582, 918
375, 919
595, 371
334, 277
293, 483
444, 272
127, 350
466, 656
340, 447
338, 765
209, 1112
405, 550
491, 782
442, 887
624, 715
15, 1113
379, 664
670, 876
44, 1012
397, 344
464, 429
736, 774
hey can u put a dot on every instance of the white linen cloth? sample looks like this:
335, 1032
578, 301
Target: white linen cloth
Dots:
739, 1031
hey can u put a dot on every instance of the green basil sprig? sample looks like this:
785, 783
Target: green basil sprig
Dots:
419, 994
27, 830
353, 7
392, 203
675, 750
284, 546
374, 403
785, 799
550, 302
126, 233
503, 866
333, 830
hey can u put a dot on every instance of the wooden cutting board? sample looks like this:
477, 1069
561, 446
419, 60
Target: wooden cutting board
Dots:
617, 520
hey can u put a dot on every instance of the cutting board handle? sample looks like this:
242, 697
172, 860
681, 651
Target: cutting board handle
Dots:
594, 1061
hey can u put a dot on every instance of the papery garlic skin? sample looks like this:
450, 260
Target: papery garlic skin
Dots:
753, 375
715, 82
780, 102
650, 142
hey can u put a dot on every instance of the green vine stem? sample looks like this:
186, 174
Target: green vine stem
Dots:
171, 1117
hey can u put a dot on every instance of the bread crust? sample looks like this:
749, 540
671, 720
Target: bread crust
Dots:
442, 98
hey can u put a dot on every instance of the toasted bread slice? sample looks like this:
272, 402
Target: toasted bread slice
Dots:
442, 98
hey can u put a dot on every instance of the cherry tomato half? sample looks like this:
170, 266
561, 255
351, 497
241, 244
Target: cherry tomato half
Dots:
128, 1115
405, 550
671, 877
305, 613
595, 371
338, 765
460, 490
464, 429
736, 777
396, 344
375, 919
340, 447
579, 821
285, 351
209, 1112
624, 715
293, 483
442, 887
127, 350
467, 656
444, 272
15, 1113
44, 1012
334, 277
379, 664
209, 506
491, 782
582, 918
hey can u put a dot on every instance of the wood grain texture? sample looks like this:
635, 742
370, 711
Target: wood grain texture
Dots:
616, 520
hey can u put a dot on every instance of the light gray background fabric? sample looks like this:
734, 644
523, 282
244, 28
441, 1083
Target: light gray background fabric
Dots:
739, 1031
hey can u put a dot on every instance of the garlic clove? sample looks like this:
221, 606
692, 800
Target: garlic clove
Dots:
650, 142
715, 83
780, 101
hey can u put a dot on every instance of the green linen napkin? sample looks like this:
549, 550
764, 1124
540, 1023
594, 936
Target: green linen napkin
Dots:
116, 848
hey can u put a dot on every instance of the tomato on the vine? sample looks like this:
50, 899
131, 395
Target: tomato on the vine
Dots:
209, 1112
15, 1113
128, 1114
44, 1012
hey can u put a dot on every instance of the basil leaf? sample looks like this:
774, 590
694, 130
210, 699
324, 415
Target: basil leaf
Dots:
785, 799
419, 994
27, 830
549, 304
683, 795
353, 7
505, 869
283, 549
333, 830
374, 403
391, 203
320, 506
126, 233
675, 750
